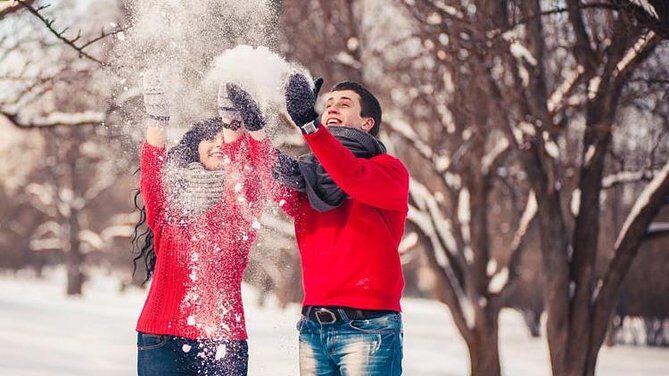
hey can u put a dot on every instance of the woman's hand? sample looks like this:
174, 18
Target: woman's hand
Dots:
249, 110
156, 105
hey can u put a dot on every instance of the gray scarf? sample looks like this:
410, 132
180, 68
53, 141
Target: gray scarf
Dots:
308, 175
190, 191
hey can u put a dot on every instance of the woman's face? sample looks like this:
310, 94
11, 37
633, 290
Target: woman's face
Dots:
211, 156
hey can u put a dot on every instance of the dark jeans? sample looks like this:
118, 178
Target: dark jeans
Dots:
163, 355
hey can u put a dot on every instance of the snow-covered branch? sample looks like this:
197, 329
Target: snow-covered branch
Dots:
47, 236
56, 119
657, 230
99, 241
517, 49
528, 216
623, 177
654, 193
503, 282
632, 234
442, 226
42, 198
403, 129
641, 44
646, 6
346, 59
100, 185
559, 97
446, 263
495, 155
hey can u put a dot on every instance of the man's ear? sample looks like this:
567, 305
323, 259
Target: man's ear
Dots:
368, 124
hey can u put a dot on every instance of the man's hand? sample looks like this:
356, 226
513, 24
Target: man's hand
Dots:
247, 107
156, 103
301, 99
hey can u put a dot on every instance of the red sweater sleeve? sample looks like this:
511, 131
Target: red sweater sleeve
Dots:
381, 181
152, 160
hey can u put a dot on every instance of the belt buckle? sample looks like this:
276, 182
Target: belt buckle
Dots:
327, 313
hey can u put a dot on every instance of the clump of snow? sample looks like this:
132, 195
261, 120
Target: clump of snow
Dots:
185, 39
589, 154
259, 71
517, 49
221, 350
498, 281
575, 202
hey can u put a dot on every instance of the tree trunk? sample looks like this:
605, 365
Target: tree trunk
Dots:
484, 352
75, 257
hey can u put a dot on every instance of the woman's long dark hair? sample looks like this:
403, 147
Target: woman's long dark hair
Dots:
185, 152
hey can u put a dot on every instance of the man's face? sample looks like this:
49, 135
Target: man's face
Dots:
211, 156
342, 108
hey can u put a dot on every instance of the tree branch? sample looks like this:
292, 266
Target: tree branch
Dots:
583, 52
48, 22
657, 230
56, 119
627, 245
623, 177
517, 248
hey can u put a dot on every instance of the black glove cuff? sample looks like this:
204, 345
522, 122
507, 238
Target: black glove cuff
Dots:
309, 117
159, 118
233, 125
254, 124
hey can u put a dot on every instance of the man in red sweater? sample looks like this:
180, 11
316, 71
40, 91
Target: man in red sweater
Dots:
349, 200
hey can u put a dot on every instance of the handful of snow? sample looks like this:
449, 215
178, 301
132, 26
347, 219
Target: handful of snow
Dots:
260, 72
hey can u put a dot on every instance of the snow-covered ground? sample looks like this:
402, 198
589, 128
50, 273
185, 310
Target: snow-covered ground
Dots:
42, 333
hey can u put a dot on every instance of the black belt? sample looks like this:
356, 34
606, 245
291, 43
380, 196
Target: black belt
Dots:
330, 315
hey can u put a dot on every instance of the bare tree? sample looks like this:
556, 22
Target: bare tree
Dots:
76, 170
534, 87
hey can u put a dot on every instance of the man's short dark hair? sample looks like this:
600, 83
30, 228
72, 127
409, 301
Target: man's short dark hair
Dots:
369, 105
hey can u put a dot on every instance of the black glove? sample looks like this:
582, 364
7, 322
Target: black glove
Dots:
300, 99
248, 108
286, 170
230, 117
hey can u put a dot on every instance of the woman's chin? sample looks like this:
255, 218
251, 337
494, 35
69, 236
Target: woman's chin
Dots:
214, 164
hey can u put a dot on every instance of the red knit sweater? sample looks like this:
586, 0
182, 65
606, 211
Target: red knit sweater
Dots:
350, 254
196, 286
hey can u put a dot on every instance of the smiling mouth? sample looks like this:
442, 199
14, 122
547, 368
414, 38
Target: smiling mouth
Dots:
333, 122
216, 154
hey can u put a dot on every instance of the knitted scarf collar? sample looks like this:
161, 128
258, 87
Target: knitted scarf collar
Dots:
190, 190
308, 175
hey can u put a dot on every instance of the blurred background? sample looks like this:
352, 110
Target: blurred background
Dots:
535, 132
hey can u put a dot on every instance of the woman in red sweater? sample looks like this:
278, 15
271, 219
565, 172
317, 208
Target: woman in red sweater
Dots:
202, 205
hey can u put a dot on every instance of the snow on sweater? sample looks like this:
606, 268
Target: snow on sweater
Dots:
196, 286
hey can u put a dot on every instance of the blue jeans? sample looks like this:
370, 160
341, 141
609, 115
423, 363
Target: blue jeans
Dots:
163, 355
370, 347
